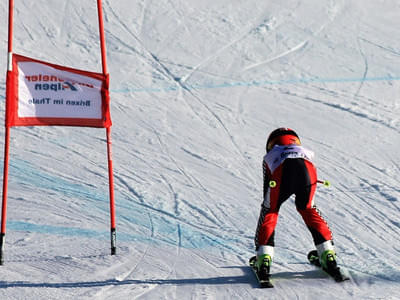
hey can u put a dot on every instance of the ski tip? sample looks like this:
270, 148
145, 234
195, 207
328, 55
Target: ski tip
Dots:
252, 260
266, 285
312, 253
313, 258
340, 276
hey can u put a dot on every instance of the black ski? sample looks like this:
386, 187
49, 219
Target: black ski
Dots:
335, 273
264, 283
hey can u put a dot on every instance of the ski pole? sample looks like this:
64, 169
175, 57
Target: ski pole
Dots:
326, 183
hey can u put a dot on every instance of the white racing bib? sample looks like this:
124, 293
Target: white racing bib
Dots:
278, 154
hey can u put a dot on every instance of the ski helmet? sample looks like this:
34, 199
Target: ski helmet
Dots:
282, 136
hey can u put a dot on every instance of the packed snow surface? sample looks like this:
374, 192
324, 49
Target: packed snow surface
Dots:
196, 87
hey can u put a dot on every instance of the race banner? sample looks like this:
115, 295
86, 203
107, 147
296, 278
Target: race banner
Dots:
41, 93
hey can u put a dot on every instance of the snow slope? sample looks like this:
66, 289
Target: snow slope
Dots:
196, 87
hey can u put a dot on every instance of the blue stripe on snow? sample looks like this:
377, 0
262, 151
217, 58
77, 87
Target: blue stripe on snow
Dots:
146, 223
256, 83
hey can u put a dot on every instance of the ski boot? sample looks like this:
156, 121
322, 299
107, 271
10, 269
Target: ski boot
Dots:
328, 261
263, 265
329, 265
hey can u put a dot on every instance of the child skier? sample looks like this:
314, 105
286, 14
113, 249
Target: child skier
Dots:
288, 170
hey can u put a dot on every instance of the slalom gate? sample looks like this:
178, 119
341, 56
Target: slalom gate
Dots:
40, 93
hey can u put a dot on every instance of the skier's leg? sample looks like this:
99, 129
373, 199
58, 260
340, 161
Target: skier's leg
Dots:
321, 234
264, 241
318, 227
268, 218
266, 231
264, 238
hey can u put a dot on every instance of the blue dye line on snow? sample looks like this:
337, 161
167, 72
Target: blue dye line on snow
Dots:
24, 172
163, 228
256, 83
187, 238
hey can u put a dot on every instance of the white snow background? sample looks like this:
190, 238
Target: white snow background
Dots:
196, 87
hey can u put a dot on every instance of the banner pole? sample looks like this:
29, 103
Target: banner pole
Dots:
102, 37
5, 188
111, 192
7, 137
108, 133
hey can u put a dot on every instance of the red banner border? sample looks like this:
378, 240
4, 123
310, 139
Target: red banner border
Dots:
12, 118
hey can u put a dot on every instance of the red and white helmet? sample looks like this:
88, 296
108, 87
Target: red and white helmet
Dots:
282, 136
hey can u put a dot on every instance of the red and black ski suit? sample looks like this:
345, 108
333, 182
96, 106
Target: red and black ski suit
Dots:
291, 171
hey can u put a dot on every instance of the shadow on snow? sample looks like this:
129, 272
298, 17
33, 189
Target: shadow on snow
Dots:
247, 278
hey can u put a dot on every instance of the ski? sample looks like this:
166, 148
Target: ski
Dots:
264, 283
335, 273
